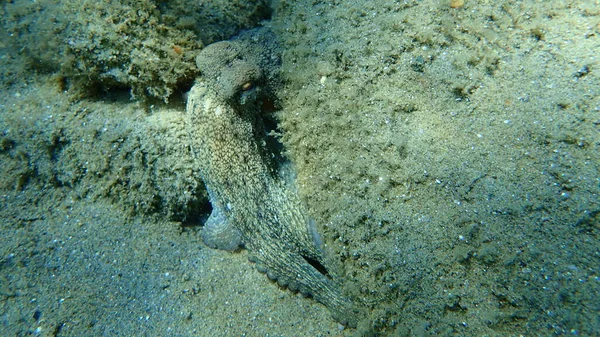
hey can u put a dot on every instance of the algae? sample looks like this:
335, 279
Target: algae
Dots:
147, 47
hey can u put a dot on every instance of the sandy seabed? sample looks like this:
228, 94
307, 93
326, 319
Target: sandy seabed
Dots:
450, 157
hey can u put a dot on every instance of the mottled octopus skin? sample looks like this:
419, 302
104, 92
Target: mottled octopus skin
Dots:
251, 203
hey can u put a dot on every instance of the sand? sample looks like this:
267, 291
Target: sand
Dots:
450, 158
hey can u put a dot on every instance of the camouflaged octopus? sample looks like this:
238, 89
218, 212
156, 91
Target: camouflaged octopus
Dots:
252, 205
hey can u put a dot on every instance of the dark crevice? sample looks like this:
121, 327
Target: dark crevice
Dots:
317, 265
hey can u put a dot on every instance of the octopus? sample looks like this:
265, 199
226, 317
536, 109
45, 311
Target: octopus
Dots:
253, 205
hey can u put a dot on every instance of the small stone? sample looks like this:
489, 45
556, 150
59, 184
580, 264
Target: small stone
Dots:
457, 3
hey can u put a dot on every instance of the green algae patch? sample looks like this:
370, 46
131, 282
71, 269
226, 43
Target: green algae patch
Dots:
145, 47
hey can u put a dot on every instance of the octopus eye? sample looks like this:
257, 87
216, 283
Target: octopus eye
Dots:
247, 86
